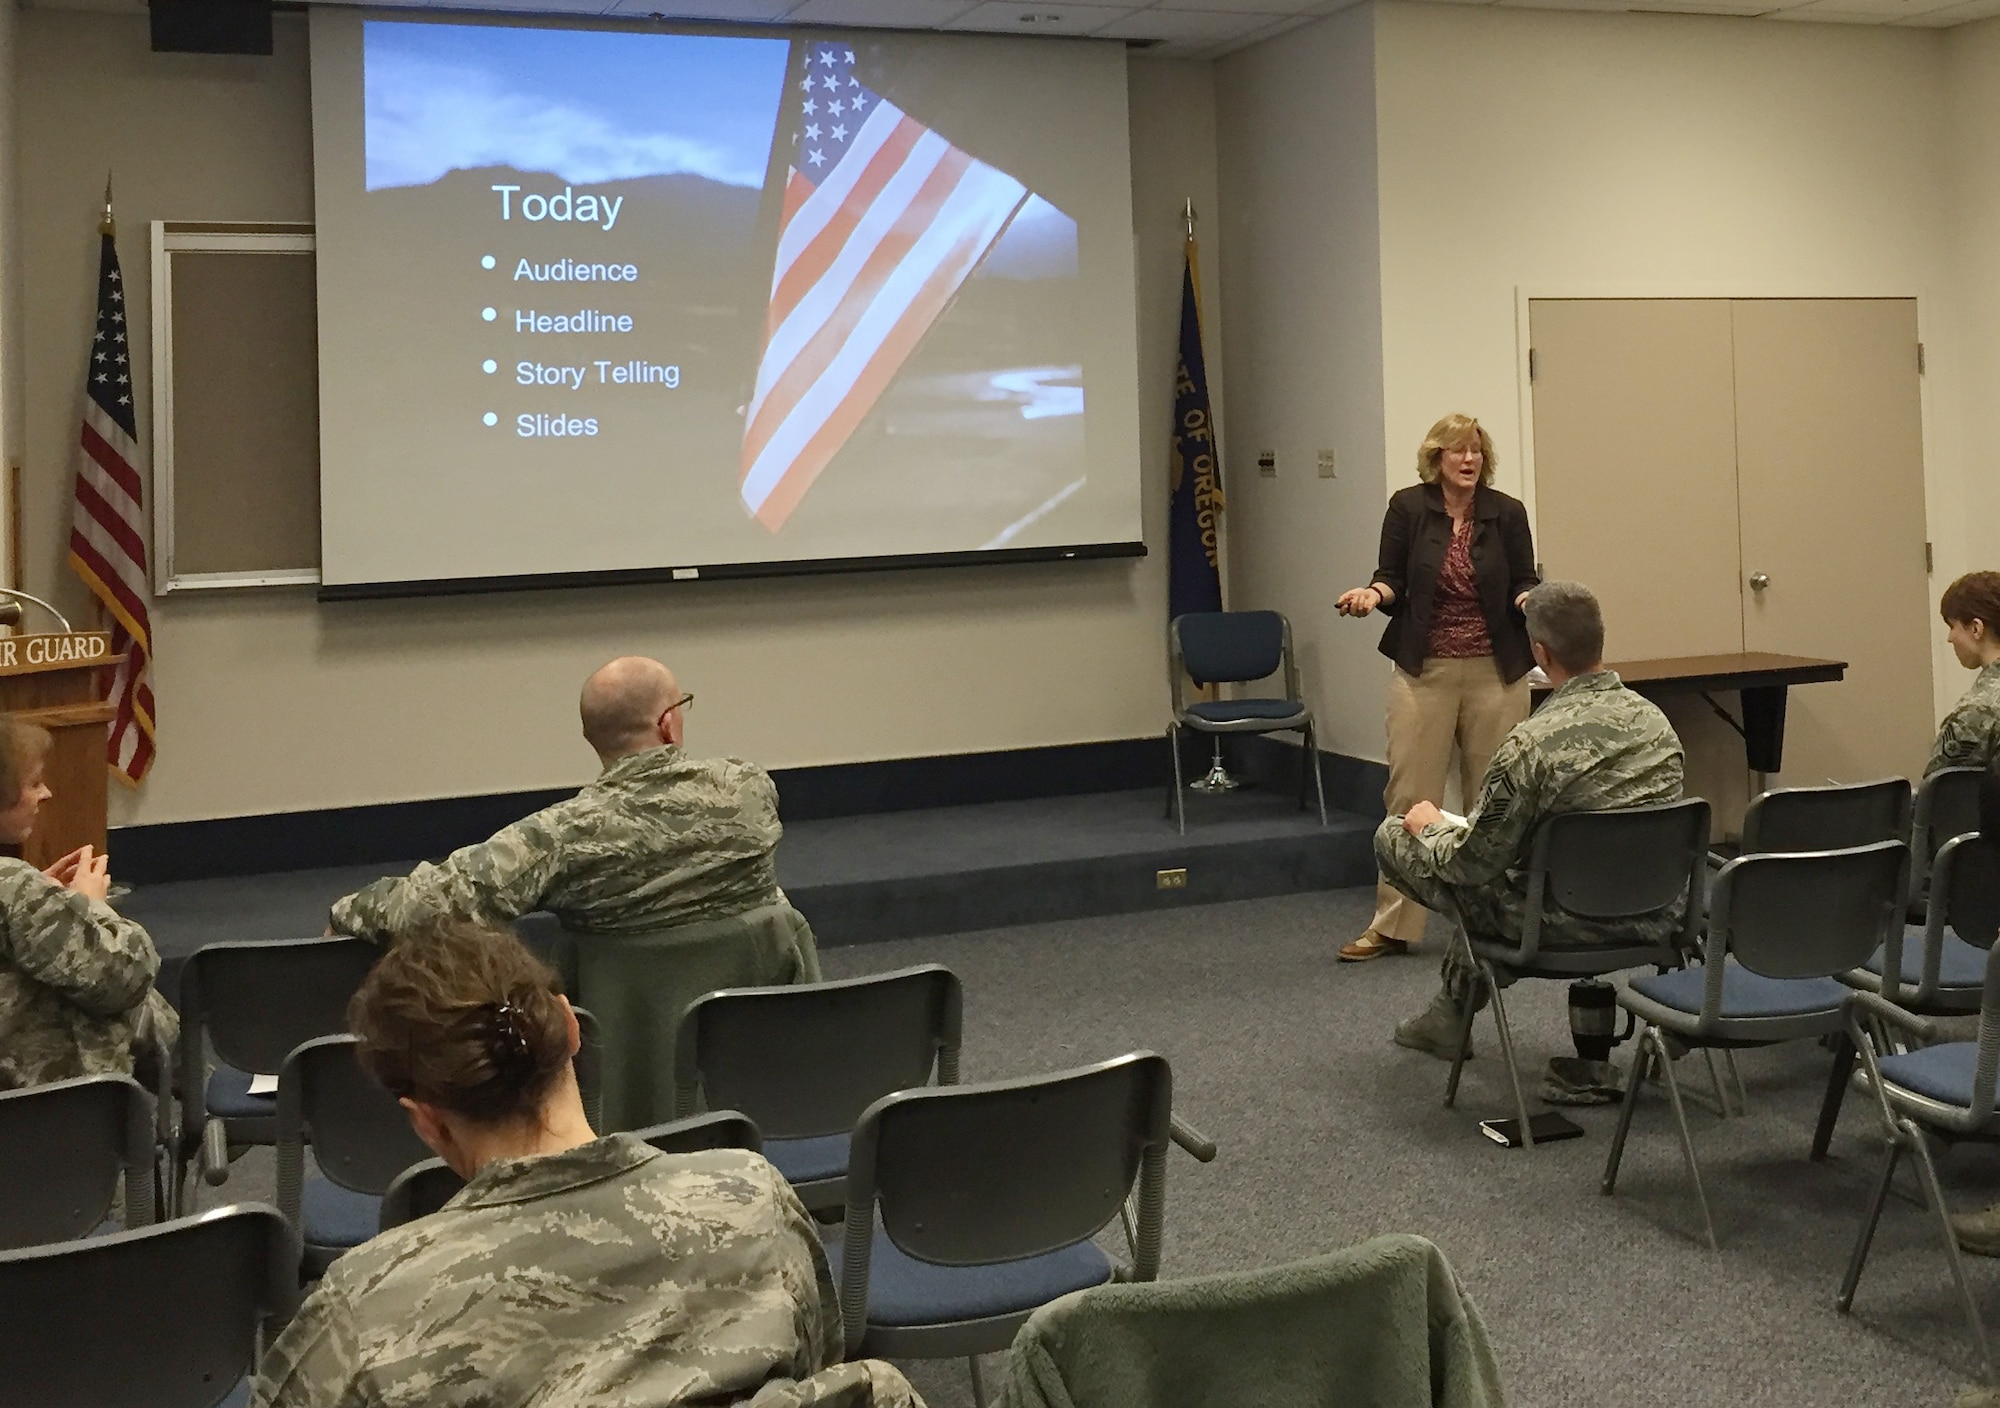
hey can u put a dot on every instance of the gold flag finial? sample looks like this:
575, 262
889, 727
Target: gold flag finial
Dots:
107, 227
1187, 214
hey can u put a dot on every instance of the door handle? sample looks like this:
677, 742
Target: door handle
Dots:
1759, 581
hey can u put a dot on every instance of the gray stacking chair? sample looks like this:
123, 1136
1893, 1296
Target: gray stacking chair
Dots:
64, 1147
422, 1189
252, 1003
1606, 866
1947, 806
1944, 1091
1783, 928
167, 1316
1237, 647
361, 1139
804, 1061
970, 1206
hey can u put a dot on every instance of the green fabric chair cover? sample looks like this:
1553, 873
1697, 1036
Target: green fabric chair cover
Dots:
637, 986
1384, 1324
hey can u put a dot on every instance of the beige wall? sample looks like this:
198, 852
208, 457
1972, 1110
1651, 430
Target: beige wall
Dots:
1972, 539
12, 429
273, 702
1303, 355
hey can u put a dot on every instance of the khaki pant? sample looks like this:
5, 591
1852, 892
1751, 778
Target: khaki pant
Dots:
1453, 703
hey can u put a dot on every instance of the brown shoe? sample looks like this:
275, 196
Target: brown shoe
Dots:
1371, 945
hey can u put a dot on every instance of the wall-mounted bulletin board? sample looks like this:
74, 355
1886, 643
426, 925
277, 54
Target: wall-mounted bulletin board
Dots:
235, 406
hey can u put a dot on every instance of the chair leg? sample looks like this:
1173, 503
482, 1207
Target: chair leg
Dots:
1836, 1092
1642, 1055
1464, 1037
1892, 1154
1507, 1055
1176, 808
1319, 778
1715, 1084
1934, 1191
978, 1383
1736, 1078
1687, 1139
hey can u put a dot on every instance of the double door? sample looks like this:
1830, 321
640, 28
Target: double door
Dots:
1747, 475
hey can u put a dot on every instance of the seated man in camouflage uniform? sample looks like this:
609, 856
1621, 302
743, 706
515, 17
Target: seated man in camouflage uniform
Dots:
1969, 736
660, 839
1594, 745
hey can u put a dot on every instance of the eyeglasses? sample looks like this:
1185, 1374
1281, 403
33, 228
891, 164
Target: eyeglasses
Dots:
685, 702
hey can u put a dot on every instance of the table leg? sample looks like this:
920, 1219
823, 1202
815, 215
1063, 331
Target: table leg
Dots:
1764, 727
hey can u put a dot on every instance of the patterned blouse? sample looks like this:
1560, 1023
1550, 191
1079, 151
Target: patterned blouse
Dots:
1458, 625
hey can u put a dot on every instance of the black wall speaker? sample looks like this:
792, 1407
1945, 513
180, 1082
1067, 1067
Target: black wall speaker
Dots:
211, 26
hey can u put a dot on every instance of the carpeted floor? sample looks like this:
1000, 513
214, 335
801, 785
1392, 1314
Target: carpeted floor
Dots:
1330, 1134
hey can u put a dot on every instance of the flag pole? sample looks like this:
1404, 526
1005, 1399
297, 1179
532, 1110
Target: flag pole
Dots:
108, 225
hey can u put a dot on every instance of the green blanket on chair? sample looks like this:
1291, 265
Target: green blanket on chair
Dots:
1381, 1325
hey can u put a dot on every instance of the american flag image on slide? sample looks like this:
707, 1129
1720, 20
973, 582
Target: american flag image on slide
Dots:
107, 538
882, 221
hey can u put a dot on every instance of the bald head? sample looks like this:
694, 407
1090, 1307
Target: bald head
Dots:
622, 704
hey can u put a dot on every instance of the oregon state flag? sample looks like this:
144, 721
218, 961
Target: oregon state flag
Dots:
1194, 581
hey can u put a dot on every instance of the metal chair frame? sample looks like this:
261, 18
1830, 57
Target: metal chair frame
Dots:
1300, 722
1547, 873
1970, 900
1661, 1028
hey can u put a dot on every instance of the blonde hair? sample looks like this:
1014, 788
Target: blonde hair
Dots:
1454, 432
23, 748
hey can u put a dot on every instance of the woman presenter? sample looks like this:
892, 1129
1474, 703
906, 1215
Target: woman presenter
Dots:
1457, 561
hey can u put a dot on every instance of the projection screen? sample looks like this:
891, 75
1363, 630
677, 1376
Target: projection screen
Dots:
602, 303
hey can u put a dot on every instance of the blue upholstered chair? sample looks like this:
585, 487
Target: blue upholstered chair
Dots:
64, 1147
804, 1061
167, 1316
1945, 1091
1237, 647
1947, 806
252, 1003
970, 1206
1782, 929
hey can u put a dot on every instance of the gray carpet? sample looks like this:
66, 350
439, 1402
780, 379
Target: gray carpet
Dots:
1330, 1134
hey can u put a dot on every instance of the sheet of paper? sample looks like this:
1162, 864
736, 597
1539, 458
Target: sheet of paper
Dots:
263, 1085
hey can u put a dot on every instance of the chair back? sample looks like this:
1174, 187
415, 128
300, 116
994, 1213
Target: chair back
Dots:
807, 1060
360, 1136
1230, 647
63, 1149
1809, 914
1966, 883
162, 1317
1619, 863
965, 1175
1828, 818
256, 1001
422, 1189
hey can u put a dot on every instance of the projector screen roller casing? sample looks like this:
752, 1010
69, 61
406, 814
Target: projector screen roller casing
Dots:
604, 304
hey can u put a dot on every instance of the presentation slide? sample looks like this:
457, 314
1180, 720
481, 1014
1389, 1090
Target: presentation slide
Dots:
606, 301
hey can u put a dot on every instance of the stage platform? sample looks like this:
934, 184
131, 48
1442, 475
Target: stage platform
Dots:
897, 875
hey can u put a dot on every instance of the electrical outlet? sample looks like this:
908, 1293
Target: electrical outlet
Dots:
1326, 464
1267, 463
1172, 879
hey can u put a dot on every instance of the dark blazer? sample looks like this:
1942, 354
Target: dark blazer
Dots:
1416, 534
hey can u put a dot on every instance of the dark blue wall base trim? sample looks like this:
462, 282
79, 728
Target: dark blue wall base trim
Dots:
403, 831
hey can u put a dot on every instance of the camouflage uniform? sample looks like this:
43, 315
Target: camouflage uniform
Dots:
660, 839
611, 1275
76, 983
1969, 737
1592, 746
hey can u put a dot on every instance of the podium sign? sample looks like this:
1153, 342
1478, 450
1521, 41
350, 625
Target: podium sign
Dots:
53, 680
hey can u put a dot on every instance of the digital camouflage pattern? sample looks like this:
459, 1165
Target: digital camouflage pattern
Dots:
660, 839
1592, 746
1969, 737
611, 1275
76, 983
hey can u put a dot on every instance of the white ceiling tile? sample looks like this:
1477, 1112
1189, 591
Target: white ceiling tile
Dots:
1955, 14
1258, 36
884, 14
1263, 7
1185, 24
742, 11
1005, 17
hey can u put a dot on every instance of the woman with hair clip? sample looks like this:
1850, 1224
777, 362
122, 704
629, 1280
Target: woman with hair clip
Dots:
571, 1269
76, 978
1457, 560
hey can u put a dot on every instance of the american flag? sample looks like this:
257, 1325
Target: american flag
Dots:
882, 221
107, 536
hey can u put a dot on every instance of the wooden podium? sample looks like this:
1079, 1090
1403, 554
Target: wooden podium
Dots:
52, 680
